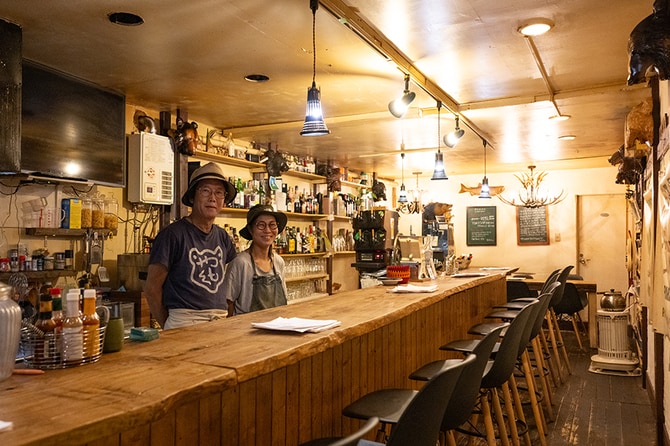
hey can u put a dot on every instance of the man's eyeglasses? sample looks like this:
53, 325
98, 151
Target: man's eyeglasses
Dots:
261, 225
207, 192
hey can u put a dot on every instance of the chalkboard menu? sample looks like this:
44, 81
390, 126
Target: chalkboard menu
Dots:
481, 225
532, 226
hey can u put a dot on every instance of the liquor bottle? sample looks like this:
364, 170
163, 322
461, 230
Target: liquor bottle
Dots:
298, 242
297, 206
91, 322
291, 241
45, 345
239, 198
73, 330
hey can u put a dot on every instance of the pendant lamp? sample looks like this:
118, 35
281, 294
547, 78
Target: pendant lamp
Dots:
402, 195
314, 124
485, 191
438, 172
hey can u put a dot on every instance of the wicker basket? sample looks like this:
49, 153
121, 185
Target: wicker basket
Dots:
45, 352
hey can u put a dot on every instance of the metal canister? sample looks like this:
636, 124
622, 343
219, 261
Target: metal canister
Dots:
10, 330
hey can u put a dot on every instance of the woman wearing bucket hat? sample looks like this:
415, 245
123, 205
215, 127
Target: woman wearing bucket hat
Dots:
258, 265
188, 257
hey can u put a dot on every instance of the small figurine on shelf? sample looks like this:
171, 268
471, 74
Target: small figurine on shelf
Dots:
275, 162
185, 138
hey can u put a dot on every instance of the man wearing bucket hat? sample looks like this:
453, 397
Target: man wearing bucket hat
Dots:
258, 265
188, 257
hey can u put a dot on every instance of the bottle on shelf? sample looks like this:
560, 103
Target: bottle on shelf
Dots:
73, 330
291, 241
91, 322
57, 306
46, 352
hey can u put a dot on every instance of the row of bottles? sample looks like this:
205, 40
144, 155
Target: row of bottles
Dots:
300, 202
294, 241
249, 193
66, 337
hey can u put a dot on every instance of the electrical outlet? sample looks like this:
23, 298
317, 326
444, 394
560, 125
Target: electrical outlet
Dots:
557, 237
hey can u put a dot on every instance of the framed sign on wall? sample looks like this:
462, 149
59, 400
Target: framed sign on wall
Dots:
532, 225
481, 225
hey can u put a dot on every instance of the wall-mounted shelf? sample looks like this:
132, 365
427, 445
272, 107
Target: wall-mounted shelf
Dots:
290, 215
40, 275
60, 232
254, 167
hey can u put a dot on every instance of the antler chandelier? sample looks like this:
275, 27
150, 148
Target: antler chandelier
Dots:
532, 195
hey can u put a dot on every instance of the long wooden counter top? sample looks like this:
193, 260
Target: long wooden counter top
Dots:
225, 382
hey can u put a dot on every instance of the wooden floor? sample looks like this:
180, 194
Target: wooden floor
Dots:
598, 410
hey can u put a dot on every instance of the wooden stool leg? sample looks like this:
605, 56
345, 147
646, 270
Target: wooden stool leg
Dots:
451, 441
555, 377
488, 420
519, 407
537, 410
554, 344
559, 337
511, 415
544, 383
500, 418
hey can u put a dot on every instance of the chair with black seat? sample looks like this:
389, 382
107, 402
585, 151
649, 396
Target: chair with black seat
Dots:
350, 440
570, 305
552, 321
464, 399
497, 376
415, 416
517, 289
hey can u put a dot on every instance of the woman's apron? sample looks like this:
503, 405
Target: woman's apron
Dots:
267, 291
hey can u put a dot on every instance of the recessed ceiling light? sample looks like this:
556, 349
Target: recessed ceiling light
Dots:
256, 78
567, 137
536, 27
125, 18
560, 117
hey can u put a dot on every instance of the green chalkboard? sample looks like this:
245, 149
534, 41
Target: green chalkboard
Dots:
481, 225
532, 226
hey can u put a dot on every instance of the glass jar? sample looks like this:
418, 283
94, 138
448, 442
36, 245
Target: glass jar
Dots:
111, 213
10, 328
86, 213
98, 213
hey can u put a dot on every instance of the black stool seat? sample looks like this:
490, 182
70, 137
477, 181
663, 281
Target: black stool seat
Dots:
350, 440
484, 328
385, 404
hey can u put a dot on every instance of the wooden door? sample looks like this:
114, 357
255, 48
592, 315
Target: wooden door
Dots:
601, 241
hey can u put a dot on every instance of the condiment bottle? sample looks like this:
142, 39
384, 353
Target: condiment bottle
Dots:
57, 305
73, 330
91, 322
45, 342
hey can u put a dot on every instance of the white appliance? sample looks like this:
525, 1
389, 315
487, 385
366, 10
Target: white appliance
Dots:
150, 169
614, 356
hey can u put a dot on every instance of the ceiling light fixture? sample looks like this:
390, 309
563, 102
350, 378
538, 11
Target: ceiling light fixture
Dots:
402, 195
398, 107
414, 206
532, 195
256, 78
535, 27
314, 124
438, 171
566, 137
485, 191
452, 138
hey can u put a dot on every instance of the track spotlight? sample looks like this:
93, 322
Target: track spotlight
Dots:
452, 138
398, 107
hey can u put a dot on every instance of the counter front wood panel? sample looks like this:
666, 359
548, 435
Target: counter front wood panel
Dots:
226, 383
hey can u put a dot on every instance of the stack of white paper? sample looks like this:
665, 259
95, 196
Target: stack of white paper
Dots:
410, 288
297, 324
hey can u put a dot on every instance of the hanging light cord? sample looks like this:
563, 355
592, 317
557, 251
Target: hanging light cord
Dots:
484, 142
439, 107
314, 5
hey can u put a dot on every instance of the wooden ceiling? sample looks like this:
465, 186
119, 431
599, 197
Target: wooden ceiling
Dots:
194, 55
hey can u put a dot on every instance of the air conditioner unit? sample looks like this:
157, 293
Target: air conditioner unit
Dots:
150, 169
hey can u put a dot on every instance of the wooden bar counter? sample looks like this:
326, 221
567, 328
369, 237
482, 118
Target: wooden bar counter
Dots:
226, 383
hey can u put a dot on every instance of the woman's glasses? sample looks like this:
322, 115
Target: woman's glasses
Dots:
261, 225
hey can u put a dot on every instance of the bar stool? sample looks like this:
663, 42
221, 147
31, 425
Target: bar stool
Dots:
570, 305
350, 440
415, 416
464, 399
497, 376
